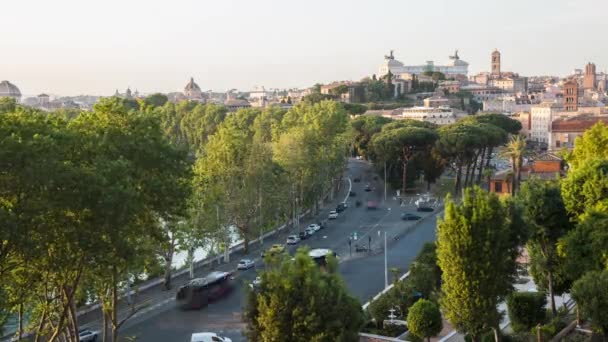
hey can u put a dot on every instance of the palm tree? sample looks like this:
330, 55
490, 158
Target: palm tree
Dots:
515, 151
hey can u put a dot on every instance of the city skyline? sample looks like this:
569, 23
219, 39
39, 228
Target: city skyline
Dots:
71, 48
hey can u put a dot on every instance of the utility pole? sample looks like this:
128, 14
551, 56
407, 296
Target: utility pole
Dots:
385, 264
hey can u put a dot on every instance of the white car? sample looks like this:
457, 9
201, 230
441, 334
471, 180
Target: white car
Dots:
245, 264
314, 226
292, 240
86, 335
310, 231
208, 337
333, 215
255, 283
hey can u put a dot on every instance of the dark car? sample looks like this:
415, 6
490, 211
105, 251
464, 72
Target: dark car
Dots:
322, 224
352, 194
410, 217
356, 179
367, 188
425, 209
303, 235
340, 208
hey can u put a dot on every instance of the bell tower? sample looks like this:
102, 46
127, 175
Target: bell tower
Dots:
496, 63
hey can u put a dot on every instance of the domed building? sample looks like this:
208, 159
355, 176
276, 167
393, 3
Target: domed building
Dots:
193, 92
7, 89
454, 67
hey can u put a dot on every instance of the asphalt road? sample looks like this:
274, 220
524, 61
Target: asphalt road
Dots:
363, 273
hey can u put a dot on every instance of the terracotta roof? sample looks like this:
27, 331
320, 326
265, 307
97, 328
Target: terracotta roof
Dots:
579, 123
548, 157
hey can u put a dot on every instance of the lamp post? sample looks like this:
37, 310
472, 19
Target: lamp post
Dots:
385, 262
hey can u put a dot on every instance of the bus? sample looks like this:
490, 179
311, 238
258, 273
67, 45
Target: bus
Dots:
319, 255
200, 291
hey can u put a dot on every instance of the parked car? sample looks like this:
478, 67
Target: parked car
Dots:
303, 235
86, 335
274, 249
367, 188
333, 215
340, 207
245, 264
310, 231
208, 337
322, 224
292, 240
425, 209
410, 217
352, 194
314, 226
359, 158
371, 205
356, 179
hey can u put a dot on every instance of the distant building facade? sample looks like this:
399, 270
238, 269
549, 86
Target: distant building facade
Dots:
564, 131
193, 92
589, 80
455, 66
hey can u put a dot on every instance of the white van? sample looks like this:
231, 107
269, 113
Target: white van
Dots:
208, 337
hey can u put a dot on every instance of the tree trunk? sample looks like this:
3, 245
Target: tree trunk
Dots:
428, 186
104, 326
114, 317
167, 276
466, 175
496, 333
472, 180
404, 175
41, 324
245, 243
20, 331
458, 177
551, 293
482, 153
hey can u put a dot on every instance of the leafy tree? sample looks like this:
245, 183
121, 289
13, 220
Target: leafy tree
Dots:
156, 100
526, 310
364, 129
547, 220
585, 248
586, 187
401, 144
316, 98
592, 298
355, 108
424, 319
7, 105
593, 144
477, 245
515, 151
299, 301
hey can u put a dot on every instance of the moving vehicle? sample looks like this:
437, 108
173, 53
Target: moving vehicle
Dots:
274, 249
319, 255
310, 231
292, 240
340, 207
208, 337
367, 188
200, 291
352, 194
86, 335
314, 226
425, 209
255, 284
356, 179
333, 215
410, 217
245, 264
303, 235
371, 205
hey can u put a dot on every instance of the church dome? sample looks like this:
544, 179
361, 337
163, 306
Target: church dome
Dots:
192, 86
7, 89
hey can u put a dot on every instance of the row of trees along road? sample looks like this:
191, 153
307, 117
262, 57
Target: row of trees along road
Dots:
563, 224
91, 201
409, 148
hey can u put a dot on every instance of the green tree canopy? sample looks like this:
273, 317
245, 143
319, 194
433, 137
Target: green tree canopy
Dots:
424, 319
593, 144
547, 221
591, 295
477, 245
586, 187
299, 301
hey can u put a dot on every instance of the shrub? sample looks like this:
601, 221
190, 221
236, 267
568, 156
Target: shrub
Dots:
526, 310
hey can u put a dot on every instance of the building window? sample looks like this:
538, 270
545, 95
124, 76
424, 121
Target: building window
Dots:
497, 186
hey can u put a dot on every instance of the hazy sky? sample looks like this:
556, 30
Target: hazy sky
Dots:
72, 47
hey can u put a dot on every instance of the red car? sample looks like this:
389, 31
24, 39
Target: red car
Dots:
371, 205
